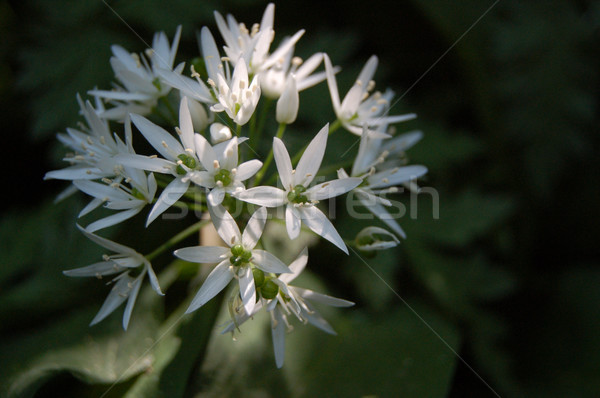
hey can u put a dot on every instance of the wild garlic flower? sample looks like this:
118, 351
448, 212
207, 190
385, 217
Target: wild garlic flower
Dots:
299, 198
179, 157
128, 196
92, 146
237, 97
380, 175
139, 77
222, 173
359, 108
282, 300
239, 260
375, 238
126, 287
253, 45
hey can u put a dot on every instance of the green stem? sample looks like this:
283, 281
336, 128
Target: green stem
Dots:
238, 129
177, 238
267, 163
170, 108
257, 132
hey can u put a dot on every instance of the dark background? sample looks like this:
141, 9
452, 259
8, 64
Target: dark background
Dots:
509, 273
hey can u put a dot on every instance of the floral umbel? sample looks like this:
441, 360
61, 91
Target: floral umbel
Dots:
173, 141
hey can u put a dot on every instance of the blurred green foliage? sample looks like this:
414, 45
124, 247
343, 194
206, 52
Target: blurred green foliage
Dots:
500, 295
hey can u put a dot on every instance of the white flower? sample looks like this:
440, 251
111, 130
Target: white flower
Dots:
222, 174
117, 196
141, 84
92, 146
358, 107
253, 46
375, 238
123, 261
300, 200
286, 300
236, 261
179, 157
380, 175
273, 81
238, 97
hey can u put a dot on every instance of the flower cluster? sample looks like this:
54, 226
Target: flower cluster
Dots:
201, 131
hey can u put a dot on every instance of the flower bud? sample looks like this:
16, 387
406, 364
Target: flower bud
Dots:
219, 133
375, 238
288, 103
198, 113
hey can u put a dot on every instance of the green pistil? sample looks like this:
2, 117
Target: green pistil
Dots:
259, 277
239, 256
137, 194
296, 195
188, 161
156, 83
269, 290
224, 176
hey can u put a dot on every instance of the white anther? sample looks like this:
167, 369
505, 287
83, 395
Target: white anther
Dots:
216, 164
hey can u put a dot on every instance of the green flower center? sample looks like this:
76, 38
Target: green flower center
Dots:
296, 195
264, 284
224, 176
187, 161
239, 256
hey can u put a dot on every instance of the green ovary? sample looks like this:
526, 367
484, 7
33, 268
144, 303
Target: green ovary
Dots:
296, 195
224, 176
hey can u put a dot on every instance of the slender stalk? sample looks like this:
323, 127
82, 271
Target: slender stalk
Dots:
177, 238
165, 101
258, 130
267, 163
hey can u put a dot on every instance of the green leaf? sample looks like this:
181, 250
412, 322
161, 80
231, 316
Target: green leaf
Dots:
101, 354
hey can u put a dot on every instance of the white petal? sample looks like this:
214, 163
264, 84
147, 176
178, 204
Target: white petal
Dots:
332, 188
225, 225
247, 169
101, 268
278, 335
396, 176
268, 262
254, 228
322, 298
135, 289
283, 162
297, 266
170, 195
214, 283
292, 221
109, 244
185, 124
115, 298
215, 196
113, 219
320, 224
142, 162
158, 137
247, 289
332, 83
263, 196
380, 212
205, 152
311, 159
202, 254
315, 319
210, 52
153, 280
